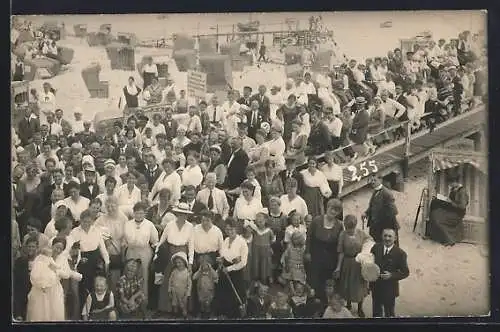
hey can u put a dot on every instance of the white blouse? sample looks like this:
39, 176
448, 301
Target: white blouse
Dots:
205, 242
65, 272
244, 209
50, 230
298, 204
277, 150
179, 237
77, 208
334, 173
140, 235
318, 180
172, 182
90, 241
237, 249
126, 197
41, 275
112, 229
192, 175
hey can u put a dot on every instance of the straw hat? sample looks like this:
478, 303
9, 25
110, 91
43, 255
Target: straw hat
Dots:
370, 271
182, 208
360, 100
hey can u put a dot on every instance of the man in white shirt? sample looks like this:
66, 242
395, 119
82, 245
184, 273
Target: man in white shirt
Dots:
334, 125
46, 101
213, 198
53, 127
390, 106
217, 114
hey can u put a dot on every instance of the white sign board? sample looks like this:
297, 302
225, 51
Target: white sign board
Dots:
196, 84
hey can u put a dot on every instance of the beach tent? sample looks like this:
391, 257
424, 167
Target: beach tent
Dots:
219, 71
122, 56
65, 54
185, 59
293, 54
472, 168
127, 38
41, 68
97, 88
80, 30
99, 38
208, 45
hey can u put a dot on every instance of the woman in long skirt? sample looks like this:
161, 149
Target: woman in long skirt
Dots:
351, 285
46, 298
178, 237
321, 245
334, 175
234, 254
315, 188
140, 236
277, 222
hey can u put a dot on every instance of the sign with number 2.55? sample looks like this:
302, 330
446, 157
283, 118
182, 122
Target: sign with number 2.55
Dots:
357, 172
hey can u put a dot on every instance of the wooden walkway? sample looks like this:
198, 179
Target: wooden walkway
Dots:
389, 159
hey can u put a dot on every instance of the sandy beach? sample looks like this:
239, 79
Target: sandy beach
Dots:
443, 281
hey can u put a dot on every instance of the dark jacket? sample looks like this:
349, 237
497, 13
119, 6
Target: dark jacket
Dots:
129, 151
359, 127
319, 139
257, 310
253, 127
296, 175
85, 190
382, 210
196, 209
236, 169
264, 105
22, 286
394, 262
170, 128
151, 176
26, 129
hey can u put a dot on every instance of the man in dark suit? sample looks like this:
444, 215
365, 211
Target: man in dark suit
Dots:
152, 171
89, 188
196, 207
291, 171
56, 182
258, 304
123, 148
27, 127
170, 124
245, 100
237, 164
254, 119
35, 147
393, 265
264, 102
382, 211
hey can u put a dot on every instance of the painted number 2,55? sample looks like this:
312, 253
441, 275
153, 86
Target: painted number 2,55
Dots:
362, 170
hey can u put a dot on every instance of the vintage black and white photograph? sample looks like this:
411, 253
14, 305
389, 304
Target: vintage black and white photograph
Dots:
239, 166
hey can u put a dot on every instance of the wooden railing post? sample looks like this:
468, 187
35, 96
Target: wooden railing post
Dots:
406, 159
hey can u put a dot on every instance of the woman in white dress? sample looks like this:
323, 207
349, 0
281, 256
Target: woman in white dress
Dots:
112, 225
334, 175
76, 203
46, 298
139, 238
192, 175
277, 147
259, 153
275, 100
291, 201
315, 189
247, 205
128, 194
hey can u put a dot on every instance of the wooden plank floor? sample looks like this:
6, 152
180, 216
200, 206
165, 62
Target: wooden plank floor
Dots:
388, 158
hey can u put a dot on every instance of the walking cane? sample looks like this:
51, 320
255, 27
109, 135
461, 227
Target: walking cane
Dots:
242, 307
419, 208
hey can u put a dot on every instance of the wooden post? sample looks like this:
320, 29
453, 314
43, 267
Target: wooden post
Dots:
406, 158
217, 41
478, 139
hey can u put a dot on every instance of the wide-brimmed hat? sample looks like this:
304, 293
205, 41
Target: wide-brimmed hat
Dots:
360, 100
109, 163
182, 255
182, 208
89, 168
370, 271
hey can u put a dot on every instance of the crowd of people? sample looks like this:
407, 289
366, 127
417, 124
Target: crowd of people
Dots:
201, 218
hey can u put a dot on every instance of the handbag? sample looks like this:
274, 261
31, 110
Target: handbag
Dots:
115, 261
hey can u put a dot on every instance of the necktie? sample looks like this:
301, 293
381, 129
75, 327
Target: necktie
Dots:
386, 251
215, 114
210, 201
37, 150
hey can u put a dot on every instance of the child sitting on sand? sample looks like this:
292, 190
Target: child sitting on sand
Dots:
280, 308
131, 297
100, 304
336, 308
